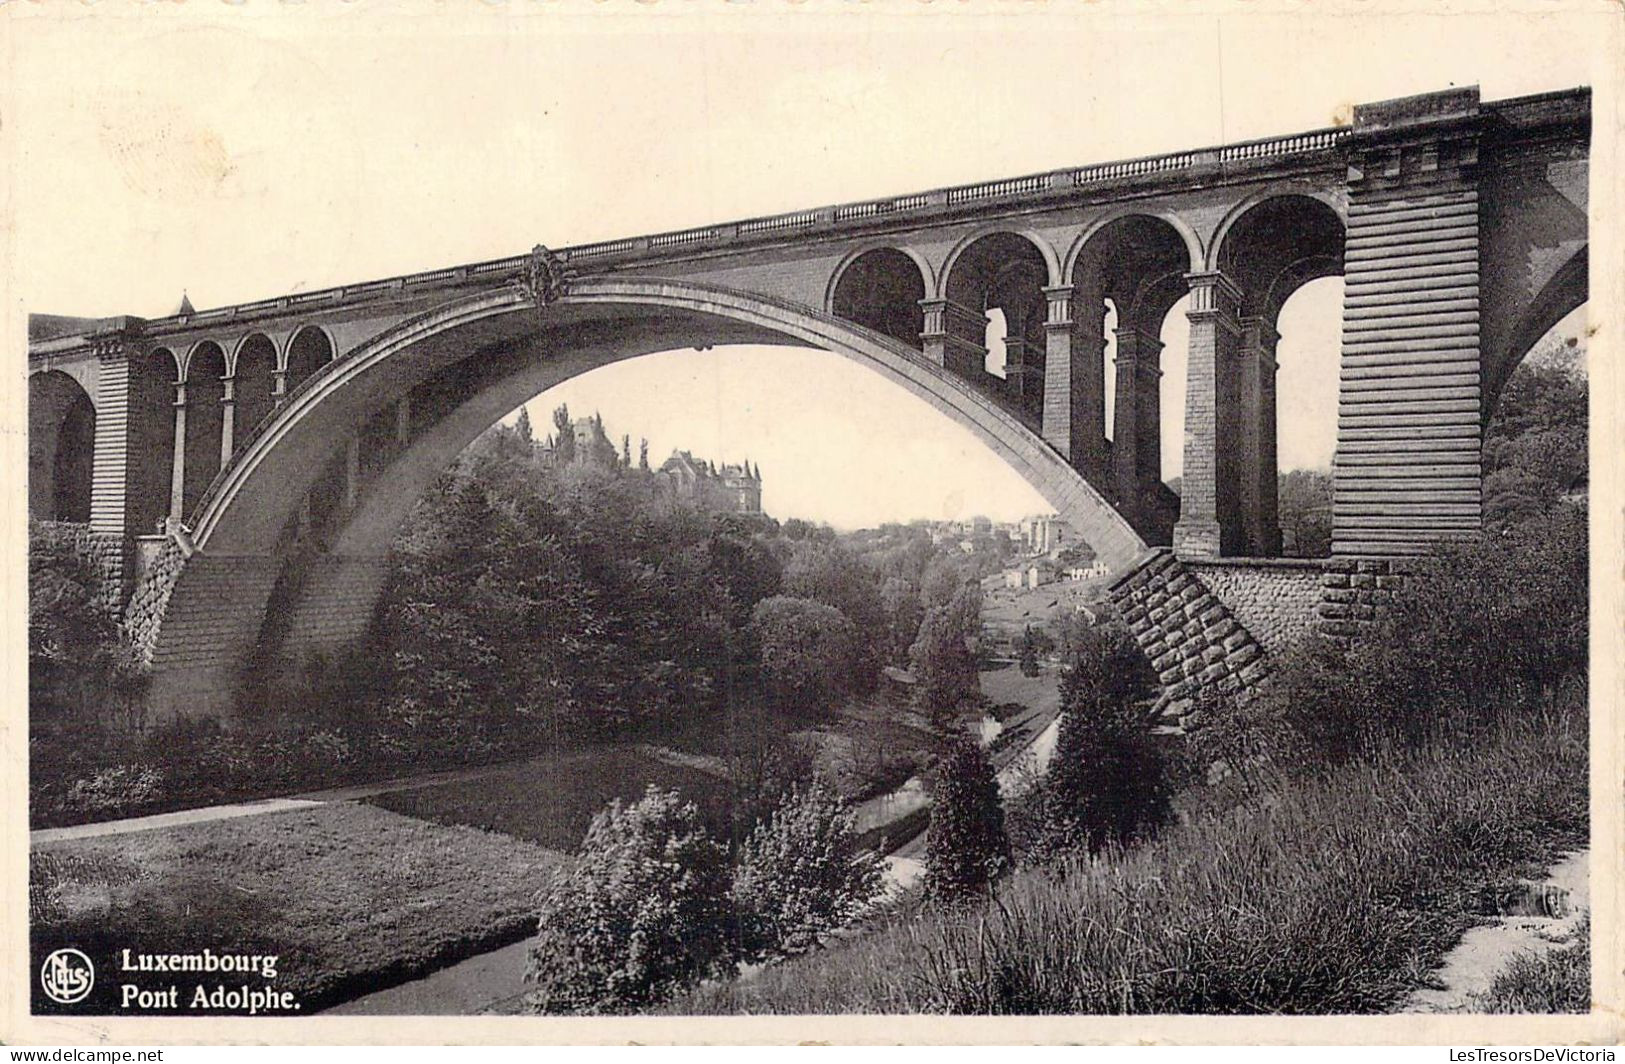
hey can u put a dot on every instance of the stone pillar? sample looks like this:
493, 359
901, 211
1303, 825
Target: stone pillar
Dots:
279, 387
953, 337
1137, 422
1023, 376
109, 463
1259, 466
1209, 506
177, 479
1407, 471
1074, 380
228, 414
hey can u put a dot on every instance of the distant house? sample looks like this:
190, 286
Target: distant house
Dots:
1043, 533
1096, 568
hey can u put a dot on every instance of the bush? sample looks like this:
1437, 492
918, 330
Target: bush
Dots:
966, 847
640, 913
1496, 621
802, 874
118, 789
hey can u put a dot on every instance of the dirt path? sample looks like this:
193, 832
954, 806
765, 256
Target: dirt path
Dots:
1540, 917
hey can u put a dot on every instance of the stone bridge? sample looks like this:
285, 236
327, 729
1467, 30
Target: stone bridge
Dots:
244, 468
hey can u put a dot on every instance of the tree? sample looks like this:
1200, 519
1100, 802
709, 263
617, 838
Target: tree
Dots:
1034, 643
966, 847
564, 435
807, 652
643, 455
802, 874
522, 426
1535, 443
639, 914
1109, 781
78, 658
1305, 510
827, 573
943, 662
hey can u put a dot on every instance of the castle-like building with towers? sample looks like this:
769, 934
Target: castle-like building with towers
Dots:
727, 488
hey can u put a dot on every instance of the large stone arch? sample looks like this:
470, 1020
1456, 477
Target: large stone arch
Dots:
61, 445
1562, 294
494, 350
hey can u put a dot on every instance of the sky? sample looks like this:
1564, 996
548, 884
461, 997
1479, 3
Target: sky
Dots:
238, 153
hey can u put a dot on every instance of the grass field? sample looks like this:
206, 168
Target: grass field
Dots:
551, 800
350, 897
1339, 894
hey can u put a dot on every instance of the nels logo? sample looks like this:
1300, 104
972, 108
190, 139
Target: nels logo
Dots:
67, 976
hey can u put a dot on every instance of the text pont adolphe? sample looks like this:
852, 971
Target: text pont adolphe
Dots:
205, 996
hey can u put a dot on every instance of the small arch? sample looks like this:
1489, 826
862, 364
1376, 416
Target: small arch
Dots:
151, 448
1193, 244
205, 388
1005, 271
61, 447
309, 349
881, 288
1274, 242
1236, 213
1052, 263
253, 371
208, 348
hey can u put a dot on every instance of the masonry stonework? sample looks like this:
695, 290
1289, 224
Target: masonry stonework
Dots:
1354, 590
1192, 639
1273, 598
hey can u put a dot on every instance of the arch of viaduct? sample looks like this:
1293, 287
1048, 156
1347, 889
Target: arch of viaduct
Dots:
246, 467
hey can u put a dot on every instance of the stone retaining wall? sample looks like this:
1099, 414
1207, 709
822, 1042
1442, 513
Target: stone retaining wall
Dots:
1190, 636
1353, 590
105, 552
144, 615
1273, 598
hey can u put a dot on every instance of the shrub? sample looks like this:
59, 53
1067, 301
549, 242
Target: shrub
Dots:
966, 847
640, 912
119, 789
1499, 620
802, 874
